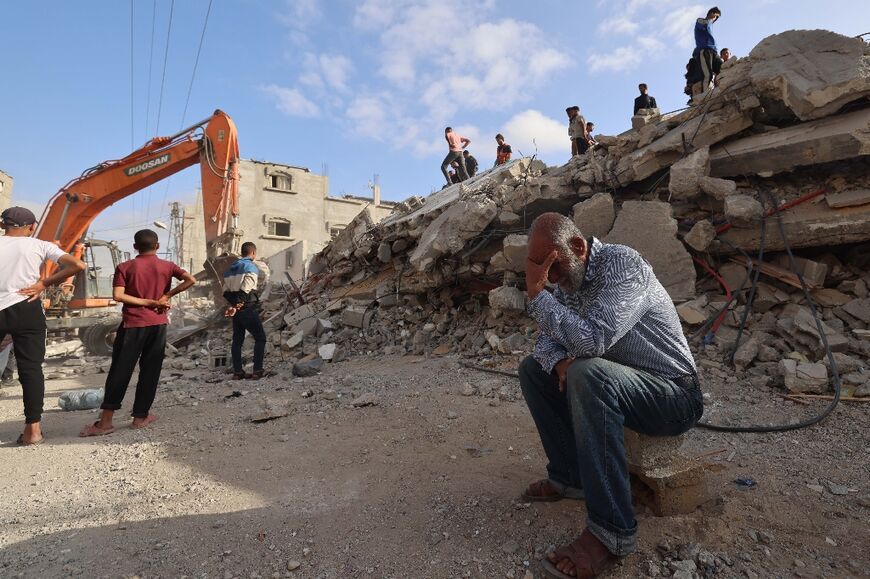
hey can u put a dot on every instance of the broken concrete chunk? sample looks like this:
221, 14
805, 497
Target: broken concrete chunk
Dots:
694, 312
294, 340
848, 198
449, 232
595, 215
743, 211
718, 188
307, 327
859, 308
804, 378
649, 228
385, 252
513, 343
701, 235
507, 299
356, 317
304, 369
746, 353
300, 313
686, 174
813, 72
829, 297
805, 323
327, 351
516, 249
366, 399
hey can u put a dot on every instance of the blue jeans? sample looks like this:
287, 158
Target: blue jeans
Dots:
582, 432
248, 319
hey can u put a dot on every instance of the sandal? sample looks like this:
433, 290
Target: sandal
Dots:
20, 441
94, 430
548, 491
582, 553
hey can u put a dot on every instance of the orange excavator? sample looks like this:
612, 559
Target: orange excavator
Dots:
85, 303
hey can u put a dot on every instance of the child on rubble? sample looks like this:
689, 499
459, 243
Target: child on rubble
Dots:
144, 286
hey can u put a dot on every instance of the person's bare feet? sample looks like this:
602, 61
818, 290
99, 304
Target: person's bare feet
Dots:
584, 558
142, 422
32, 434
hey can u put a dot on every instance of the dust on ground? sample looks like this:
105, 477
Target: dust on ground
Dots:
422, 483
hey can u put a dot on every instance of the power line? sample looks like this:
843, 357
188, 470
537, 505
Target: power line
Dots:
196, 63
162, 85
165, 60
190, 88
132, 108
150, 67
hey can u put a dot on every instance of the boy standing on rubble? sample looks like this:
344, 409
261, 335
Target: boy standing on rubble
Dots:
240, 290
706, 53
144, 286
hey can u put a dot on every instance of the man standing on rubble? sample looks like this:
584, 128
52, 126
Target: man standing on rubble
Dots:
503, 151
21, 314
470, 163
240, 290
644, 101
577, 131
456, 145
611, 353
706, 52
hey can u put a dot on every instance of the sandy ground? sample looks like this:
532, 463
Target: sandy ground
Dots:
423, 484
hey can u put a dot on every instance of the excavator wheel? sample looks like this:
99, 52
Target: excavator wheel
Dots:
98, 338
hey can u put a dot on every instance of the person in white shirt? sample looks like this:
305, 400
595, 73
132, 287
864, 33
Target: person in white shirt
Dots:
21, 314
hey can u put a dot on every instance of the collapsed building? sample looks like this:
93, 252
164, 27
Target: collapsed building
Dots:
700, 193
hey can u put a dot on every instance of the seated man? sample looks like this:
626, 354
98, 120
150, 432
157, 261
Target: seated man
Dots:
611, 353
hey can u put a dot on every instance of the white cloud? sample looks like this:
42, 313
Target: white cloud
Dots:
531, 130
326, 71
291, 102
678, 24
621, 59
617, 25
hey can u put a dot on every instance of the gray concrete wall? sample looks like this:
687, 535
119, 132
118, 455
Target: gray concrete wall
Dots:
194, 236
6, 182
311, 213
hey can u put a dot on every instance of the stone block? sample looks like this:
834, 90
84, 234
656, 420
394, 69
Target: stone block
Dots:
694, 312
507, 299
307, 327
294, 340
718, 188
649, 228
848, 198
356, 317
743, 211
685, 174
813, 72
859, 308
669, 484
323, 326
385, 252
516, 249
294, 317
595, 216
804, 378
327, 351
448, 233
701, 235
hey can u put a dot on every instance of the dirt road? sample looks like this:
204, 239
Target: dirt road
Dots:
424, 483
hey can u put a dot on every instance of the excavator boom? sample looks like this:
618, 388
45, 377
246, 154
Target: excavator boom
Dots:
212, 143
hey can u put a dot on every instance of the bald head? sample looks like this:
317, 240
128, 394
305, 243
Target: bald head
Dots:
555, 232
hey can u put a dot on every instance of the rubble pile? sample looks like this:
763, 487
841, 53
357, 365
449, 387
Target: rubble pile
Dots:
785, 135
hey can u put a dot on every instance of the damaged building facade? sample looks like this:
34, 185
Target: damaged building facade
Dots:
5, 190
288, 212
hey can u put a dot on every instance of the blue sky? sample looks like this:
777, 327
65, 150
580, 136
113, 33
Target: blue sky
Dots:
359, 87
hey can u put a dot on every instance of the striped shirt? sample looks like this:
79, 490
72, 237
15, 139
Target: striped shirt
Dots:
620, 313
240, 283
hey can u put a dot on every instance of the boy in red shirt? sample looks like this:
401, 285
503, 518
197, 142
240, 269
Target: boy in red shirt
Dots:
143, 285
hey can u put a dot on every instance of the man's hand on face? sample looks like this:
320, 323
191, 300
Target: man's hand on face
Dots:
537, 274
561, 369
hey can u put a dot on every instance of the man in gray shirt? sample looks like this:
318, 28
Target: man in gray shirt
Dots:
611, 353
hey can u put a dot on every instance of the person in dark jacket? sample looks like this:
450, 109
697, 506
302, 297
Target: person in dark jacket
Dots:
644, 101
240, 290
470, 163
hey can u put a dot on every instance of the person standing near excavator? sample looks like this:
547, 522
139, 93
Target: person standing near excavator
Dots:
240, 290
21, 314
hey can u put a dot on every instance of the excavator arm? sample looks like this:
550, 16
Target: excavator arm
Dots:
212, 143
